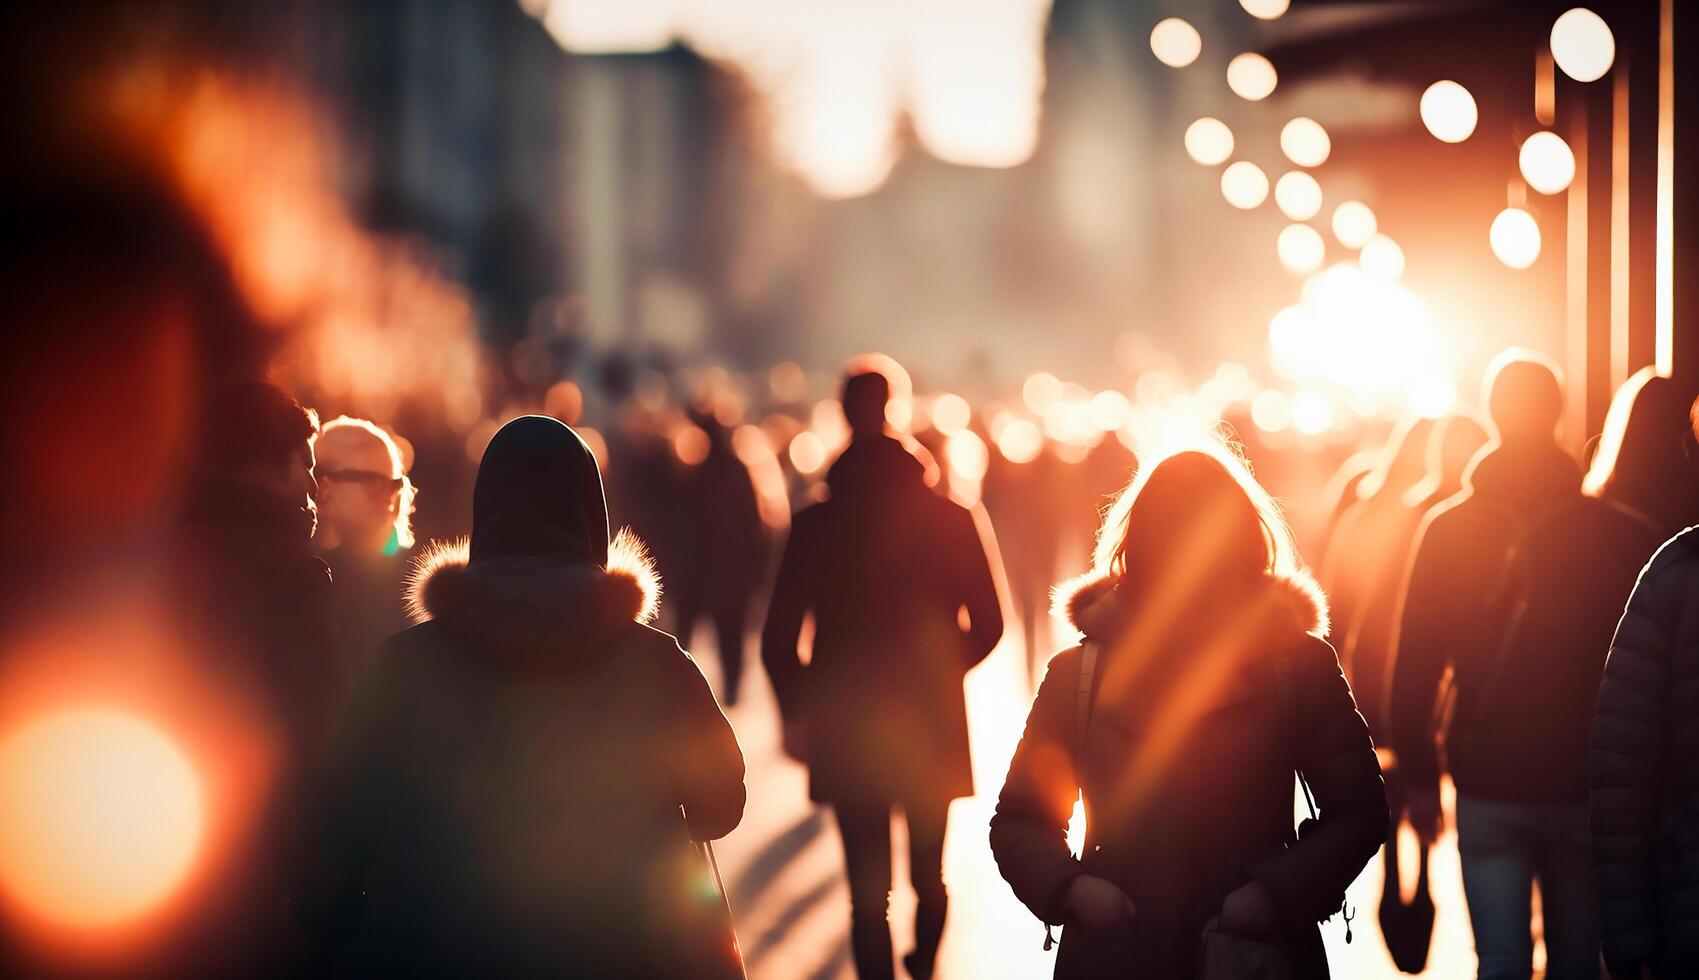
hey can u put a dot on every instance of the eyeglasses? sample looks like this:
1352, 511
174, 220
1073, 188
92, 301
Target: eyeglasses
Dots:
367, 478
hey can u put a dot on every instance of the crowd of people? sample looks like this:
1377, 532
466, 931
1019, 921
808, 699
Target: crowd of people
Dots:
492, 763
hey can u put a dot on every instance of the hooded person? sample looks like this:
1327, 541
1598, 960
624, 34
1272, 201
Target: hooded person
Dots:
520, 780
886, 566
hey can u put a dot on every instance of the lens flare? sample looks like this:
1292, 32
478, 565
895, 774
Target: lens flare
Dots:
1251, 77
1209, 141
1382, 259
1547, 163
1175, 42
101, 816
1354, 224
1515, 238
1582, 45
1298, 195
1305, 142
1449, 112
1244, 185
1301, 249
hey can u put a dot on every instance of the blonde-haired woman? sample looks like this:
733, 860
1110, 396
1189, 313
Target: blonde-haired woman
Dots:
1202, 683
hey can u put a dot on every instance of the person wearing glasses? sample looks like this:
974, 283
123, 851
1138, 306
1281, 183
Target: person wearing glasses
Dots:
365, 504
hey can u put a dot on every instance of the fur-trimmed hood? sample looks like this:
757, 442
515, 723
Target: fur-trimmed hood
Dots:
525, 604
1096, 605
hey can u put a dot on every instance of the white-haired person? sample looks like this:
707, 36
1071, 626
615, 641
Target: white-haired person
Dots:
365, 506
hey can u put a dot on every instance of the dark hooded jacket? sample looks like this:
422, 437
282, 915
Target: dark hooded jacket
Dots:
885, 566
1645, 772
1187, 778
1515, 587
508, 790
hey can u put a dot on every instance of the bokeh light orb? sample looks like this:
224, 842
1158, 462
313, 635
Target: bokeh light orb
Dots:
1432, 397
1020, 441
1305, 142
1515, 238
1298, 195
1449, 112
1354, 224
101, 817
1265, 9
1175, 42
1244, 185
1209, 141
1582, 44
1382, 259
1251, 77
1301, 249
1547, 162
951, 413
1271, 412
1312, 412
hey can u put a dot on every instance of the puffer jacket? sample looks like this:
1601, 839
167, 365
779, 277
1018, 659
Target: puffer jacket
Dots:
1645, 772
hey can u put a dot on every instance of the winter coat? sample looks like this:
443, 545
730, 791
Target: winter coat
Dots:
368, 602
1454, 613
1645, 772
1187, 778
885, 566
727, 556
521, 777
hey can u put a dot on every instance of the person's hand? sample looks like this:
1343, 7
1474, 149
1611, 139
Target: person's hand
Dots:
1249, 911
1422, 805
795, 741
1098, 904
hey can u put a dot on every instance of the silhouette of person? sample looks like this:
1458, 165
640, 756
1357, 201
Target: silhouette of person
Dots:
1644, 771
1367, 547
1025, 501
1647, 460
1514, 586
365, 502
260, 601
506, 794
886, 567
1210, 685
726, 557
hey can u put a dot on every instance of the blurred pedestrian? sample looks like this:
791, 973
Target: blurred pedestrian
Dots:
1024, 499
260, 603
365, 505
886, 567
1514, 589
506, 795
1201, 685
725, 555
1648, 460
1644, 771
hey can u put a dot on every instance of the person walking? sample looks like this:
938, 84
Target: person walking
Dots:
520, 780
887, 568
1201, 685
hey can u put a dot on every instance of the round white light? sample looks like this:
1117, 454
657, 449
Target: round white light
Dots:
1175, 42
1449, 112
1298, 195
1312, 413
1244, 185
1548, 165
1381, 259
1515, 238
1251, 77
1265, 9
1305, 143
1209, 141
1582, 45
1301, 249
1354, 224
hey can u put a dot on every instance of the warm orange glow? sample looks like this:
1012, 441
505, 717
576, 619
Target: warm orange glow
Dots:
1244, 185
950, 413
101, 816
1251, 77
1305, 142
1449, 112
1582, 45
1175, 42
1301, 249
1354, 224
690, 444
1382, 259
807, 453
1515, 238
1041, 391
1547, 162
1209, 141
1020, 441
1265, 9
1298, 195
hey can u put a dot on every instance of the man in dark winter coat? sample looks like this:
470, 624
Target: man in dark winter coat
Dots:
259, 601
886, 566
522, 774
1514, 586
1645, 774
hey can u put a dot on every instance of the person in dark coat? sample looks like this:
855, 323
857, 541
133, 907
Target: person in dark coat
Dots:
1210, 686
725, 558
1644, 774
1514, 587
886, 567
258, 601
522, 774
365, 505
